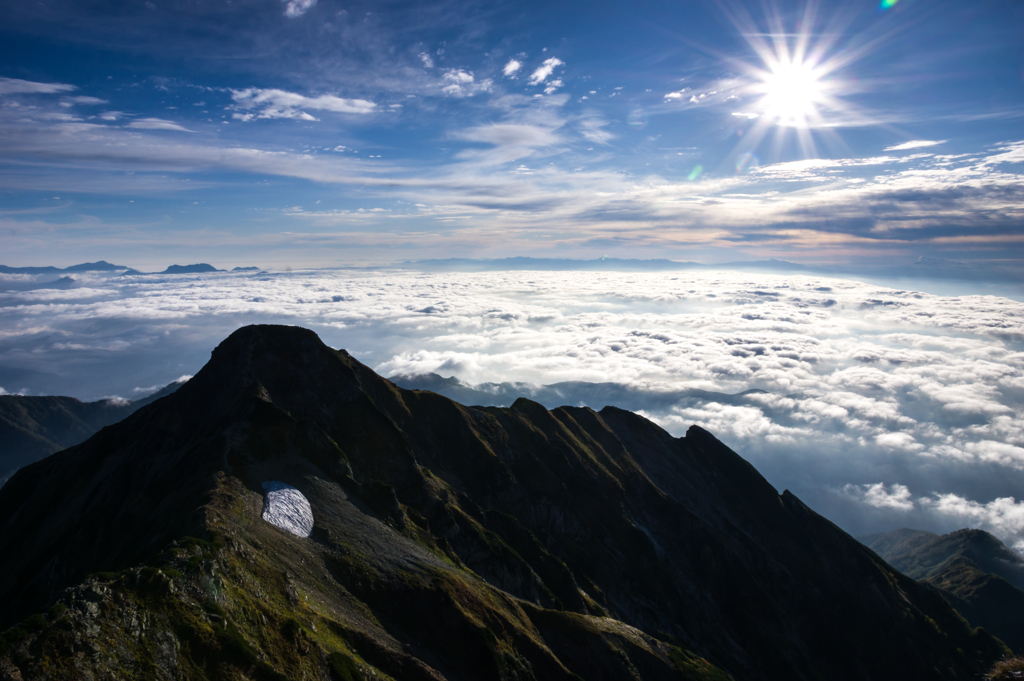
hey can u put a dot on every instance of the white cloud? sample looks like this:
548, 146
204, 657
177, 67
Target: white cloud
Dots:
1003, 516
903, 441
1001, 453
896, 497
275, 103
427, 60
157, 124
676, 96
915, 144
553, 86
14, 86
512, 68
296, 8
461, 83
458, 76
542, 72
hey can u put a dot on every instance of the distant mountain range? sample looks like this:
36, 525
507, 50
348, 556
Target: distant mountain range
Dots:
975, 572
103, 266
446, 542
32, 428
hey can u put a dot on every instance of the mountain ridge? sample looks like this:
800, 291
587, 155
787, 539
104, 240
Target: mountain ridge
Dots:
33, 427
98, 266
975, 572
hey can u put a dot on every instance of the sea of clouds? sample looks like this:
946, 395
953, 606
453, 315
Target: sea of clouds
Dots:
881, 408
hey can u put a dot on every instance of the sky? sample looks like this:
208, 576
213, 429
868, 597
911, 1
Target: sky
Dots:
316, 133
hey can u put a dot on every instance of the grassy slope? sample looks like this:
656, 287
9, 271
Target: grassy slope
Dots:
257, 603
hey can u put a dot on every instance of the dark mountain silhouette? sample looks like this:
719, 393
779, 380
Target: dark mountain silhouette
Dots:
198, 268
59, 284
448, 543
976, 573
33, 427
245, 269
101, 266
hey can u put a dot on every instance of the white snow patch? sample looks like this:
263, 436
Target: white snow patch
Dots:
286, 507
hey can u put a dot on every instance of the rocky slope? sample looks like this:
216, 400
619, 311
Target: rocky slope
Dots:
975, 572
448, 542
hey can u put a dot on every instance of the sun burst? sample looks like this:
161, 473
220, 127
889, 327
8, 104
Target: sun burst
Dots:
795, 86
792, 92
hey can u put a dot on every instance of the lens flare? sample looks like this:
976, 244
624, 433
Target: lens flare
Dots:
745, 162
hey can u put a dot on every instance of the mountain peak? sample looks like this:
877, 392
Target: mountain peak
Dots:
267, 341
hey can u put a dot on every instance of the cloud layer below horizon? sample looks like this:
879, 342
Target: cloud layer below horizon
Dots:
880, 407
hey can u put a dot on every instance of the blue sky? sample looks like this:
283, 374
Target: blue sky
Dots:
321, 133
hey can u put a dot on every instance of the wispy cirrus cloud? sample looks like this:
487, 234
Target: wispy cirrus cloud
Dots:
157, 124
594, 129
273, 103
15, 86
511, 134
915, 144
88, 101
914, 204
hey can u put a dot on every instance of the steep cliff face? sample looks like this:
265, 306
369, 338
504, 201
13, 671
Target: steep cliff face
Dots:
448, 542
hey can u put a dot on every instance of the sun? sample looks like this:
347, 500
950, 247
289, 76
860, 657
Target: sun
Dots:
795, 82
791, 92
